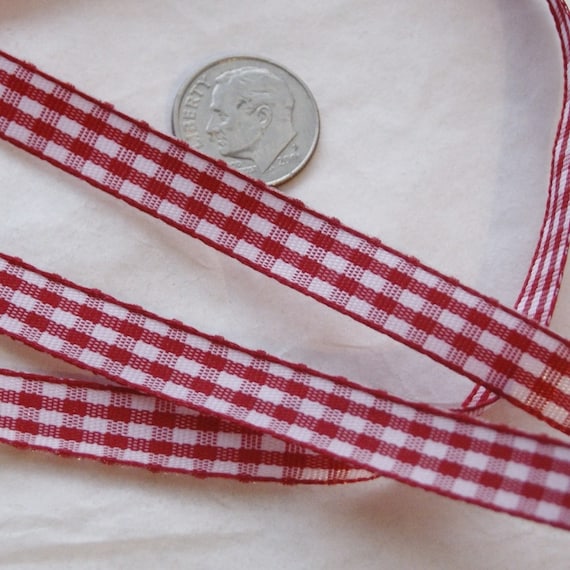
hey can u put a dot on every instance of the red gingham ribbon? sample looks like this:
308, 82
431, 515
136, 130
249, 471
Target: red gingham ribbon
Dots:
367, 429
350, 272
117, 425
357, 432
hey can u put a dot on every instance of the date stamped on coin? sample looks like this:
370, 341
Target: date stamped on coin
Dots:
252, 113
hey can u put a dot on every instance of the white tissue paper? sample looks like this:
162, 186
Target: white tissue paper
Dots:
437, 119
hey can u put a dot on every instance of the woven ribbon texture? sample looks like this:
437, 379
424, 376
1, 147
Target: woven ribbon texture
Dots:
186, 401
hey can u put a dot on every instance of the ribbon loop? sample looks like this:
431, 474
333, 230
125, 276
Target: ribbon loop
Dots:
200, 404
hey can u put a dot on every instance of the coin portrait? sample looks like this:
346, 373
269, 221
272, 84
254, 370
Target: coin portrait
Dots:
251, 113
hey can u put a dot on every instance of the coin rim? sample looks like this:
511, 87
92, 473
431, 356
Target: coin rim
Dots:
313, 145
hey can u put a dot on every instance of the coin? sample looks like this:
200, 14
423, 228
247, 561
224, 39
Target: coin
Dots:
252, 113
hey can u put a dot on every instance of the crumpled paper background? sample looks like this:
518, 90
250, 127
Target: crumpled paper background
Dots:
437, 125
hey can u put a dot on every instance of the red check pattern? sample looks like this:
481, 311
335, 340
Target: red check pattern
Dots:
354, 274
116, 425
357, 432
538, 295
453, 455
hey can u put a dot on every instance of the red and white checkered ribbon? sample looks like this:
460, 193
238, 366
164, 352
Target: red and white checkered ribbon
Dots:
277, 421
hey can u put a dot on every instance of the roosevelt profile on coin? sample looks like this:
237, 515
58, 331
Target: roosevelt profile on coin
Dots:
250, 112
251, 115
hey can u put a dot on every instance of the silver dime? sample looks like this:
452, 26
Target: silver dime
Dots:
252, 113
